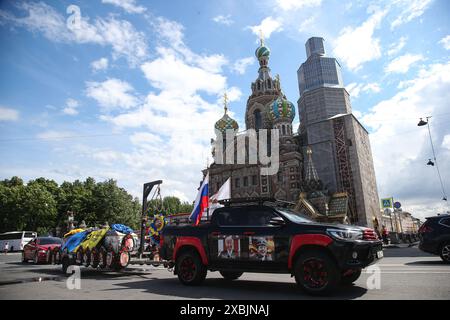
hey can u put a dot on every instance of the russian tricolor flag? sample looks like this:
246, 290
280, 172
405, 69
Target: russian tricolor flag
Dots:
201, 201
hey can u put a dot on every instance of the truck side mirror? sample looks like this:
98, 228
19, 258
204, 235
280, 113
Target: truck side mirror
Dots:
277, 221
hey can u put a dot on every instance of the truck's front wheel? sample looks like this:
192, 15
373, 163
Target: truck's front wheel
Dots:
190, 269
316, 273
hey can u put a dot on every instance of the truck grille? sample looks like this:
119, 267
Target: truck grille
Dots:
369, 235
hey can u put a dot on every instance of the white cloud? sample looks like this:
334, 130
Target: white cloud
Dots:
401, 148
403, 63
411, 9
8, 114
397, 47
112, 93
121, 35
446, 142
100, 64
241, 65
221, 19
268, 26
172, 74
356, 46
355, 89
297, 4
128, 5
71, 107
174, 122
306, 24
445, 42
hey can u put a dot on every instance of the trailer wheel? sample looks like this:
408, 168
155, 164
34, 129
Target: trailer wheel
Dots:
79, 259
109, 259
190, 269
102, 258
87, 258
94, 258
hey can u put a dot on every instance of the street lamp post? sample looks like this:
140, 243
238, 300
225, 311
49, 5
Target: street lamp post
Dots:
430, 162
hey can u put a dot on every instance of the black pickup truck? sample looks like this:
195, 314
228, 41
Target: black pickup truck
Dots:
270, 239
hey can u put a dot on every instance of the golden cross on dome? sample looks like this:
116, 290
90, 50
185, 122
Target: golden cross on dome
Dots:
261, 37
225, 102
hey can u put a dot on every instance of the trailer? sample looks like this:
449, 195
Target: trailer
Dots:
116, 247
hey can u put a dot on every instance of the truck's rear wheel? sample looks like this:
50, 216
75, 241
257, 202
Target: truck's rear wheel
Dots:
190, 269
316, 273
350, 276
230, 275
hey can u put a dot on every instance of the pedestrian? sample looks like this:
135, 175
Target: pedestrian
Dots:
6, 247
385, 234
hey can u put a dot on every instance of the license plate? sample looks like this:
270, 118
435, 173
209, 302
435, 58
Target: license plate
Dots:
379, 254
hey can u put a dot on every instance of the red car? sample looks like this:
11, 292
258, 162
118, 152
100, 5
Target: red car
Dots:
40, 249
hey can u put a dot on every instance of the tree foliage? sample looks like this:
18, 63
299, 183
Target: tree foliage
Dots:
41, 205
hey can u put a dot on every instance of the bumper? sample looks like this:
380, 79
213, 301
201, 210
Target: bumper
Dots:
429, 247
356, 254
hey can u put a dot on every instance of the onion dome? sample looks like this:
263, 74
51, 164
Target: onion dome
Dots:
262, 51
226, 122
281, 109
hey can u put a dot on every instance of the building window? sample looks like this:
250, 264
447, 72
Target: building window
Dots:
245, 181
258, 120
237, 183
254, 180
284, 129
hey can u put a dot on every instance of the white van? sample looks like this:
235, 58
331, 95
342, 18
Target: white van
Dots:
16, 239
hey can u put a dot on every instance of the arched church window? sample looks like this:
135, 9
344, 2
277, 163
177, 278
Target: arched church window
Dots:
269, 84
258, 120
284, 129
259, 85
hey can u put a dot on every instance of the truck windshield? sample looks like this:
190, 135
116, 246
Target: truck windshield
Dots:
294, 216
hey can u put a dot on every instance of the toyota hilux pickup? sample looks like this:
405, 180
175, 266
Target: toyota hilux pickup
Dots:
267, 238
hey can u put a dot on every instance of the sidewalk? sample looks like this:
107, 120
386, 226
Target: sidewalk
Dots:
400, 245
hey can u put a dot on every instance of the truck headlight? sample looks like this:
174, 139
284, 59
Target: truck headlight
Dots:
345, 234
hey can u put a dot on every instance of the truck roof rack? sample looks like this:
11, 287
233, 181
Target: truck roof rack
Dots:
255, 200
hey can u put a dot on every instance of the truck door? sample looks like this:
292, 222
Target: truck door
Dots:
268, 244
226, 239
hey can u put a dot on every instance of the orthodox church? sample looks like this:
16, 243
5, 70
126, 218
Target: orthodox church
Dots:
297, 180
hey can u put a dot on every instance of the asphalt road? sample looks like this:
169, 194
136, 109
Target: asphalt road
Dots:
405, 273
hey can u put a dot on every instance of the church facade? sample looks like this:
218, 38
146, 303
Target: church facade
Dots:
297, 180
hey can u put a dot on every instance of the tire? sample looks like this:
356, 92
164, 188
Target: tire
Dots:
123, 259
230, 275
190, 269
316, 273
350, 276
79, 258
87, 258
102, 258
444, 252
109, 259
94, 258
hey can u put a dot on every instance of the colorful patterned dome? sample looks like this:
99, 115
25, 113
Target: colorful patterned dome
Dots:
281, 109
262, 51
226, 123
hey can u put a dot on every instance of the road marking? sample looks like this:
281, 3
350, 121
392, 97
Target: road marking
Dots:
411, 272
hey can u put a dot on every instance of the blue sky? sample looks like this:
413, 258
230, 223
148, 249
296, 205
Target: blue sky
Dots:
132, 93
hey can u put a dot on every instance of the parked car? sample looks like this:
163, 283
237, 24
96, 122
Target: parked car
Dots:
270, 239
434, 236
40, 249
